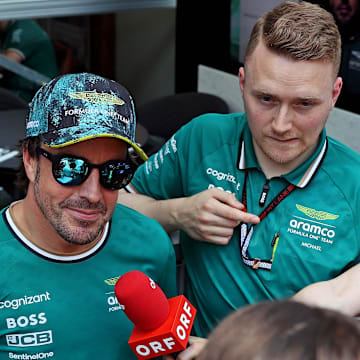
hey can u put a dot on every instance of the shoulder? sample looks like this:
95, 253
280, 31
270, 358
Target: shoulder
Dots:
143, 238
27, 24
213, 129
221, 122
131, 221
123, 213
22, 26
340, 155
342, 166
7, 237
20, 32
29, 30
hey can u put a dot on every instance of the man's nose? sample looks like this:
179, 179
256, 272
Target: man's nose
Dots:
91, 188
282, 120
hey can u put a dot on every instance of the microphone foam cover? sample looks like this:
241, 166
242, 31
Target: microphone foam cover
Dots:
145, 303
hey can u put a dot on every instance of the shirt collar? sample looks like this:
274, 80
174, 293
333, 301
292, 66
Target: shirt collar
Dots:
50, 256
299, 177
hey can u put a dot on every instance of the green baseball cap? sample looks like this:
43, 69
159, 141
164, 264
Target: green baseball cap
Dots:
78, 107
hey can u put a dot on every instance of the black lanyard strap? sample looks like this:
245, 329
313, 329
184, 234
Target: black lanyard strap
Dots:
274, 202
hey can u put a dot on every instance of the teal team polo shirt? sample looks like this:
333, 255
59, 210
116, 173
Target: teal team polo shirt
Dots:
64, 307
318, 223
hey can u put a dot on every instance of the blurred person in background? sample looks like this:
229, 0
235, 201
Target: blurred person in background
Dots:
347, 17
26, 42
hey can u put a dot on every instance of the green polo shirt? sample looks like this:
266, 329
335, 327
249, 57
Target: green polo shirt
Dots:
317, 223
64, 307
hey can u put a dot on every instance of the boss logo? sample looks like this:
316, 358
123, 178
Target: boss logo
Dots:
24, 321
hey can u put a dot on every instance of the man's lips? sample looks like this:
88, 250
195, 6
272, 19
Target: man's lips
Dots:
344, 9
283, 141
85, 214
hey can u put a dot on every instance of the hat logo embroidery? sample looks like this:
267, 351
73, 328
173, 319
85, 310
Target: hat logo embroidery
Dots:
316, 214
97, 98
33, 124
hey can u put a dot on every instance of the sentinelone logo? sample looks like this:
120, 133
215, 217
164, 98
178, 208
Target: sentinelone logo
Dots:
26, 300
40, 355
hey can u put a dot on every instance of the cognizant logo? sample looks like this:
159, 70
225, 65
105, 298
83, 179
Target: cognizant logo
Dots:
26, 300
220, 175
312, 228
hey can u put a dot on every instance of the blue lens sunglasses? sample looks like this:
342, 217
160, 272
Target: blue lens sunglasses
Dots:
70, 170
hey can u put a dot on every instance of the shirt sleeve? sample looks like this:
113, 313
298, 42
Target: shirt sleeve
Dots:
164, 175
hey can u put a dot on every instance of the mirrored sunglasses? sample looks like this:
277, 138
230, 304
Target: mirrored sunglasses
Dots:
69, 170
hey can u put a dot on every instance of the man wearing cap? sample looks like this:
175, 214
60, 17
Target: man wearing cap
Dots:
64, 245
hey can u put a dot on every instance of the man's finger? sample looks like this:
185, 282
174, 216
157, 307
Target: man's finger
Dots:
227, 198
228, 212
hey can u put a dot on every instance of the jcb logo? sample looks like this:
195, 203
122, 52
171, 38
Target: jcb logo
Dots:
30, 339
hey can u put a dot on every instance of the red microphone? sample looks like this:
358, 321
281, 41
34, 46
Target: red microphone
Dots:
162, 326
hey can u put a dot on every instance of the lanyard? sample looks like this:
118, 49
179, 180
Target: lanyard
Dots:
246, 234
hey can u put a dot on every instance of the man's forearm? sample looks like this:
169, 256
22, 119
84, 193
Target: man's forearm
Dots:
210, 215
341, 293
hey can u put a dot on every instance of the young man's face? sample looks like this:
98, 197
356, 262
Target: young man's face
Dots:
78, 213
344, 10
287, 103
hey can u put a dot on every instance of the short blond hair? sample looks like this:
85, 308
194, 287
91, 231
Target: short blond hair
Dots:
302, 31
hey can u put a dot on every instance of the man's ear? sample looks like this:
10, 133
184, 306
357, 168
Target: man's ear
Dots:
30, 165
242, 79
336, 90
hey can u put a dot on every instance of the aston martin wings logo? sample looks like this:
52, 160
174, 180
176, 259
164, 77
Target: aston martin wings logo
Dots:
112, 281
316, 214
97, 98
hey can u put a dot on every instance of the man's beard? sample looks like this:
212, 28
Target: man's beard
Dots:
79, 236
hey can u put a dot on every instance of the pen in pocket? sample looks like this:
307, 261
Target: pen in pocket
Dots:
274, 244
